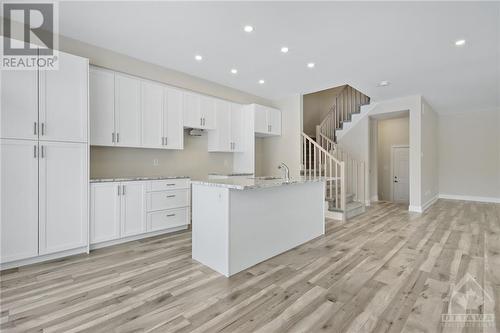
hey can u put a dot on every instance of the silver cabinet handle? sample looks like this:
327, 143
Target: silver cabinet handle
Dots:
42, 153
201, 121
119, 187
43, 128
117, 137
35, 126
270, 128
170, 184
171, 196
162, 140
113, 137
170, 215
166, 141
123, 189
34, 152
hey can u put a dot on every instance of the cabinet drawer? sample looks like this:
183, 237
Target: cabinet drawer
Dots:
168, 199
169, 184
167, 219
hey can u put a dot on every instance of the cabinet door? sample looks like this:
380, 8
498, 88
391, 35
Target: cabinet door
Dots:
207, 109
63, 196
63, 100
127, 111
261, 120
19, 199
191, 110
133, 209
220, 138
102, 107
19, 104
104, 212
173, 120
152, 115
237, 127
274, 121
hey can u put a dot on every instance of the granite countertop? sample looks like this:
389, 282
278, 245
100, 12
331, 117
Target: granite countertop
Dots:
134, 178
257, 182
236, 174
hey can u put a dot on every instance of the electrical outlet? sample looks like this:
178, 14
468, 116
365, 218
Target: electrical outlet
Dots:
155, 162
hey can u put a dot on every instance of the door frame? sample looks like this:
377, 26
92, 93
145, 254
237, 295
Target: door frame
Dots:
391, 188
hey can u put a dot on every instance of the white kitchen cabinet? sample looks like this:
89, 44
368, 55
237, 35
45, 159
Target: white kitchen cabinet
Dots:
199, 111
63, 193
19, 104
19, 199
132, 209
104, 212
166, 219
63, 100
237, 127
152, 115
102, 107
173, 129
227, 137
127, 111
267, 121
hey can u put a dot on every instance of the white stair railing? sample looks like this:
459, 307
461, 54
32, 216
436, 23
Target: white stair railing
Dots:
355, 174
318, 162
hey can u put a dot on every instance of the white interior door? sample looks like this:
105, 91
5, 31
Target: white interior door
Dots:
19, 104
19, 199
104, 212
152, 115
172, 119
102, 107
63, 196
64, 100
127, 111
133, 209
401, 174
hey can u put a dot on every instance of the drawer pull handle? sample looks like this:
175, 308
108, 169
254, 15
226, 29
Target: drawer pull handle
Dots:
171, 196
170, 184
170, 215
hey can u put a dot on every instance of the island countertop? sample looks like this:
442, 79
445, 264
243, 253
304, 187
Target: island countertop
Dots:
134, 178
256, 182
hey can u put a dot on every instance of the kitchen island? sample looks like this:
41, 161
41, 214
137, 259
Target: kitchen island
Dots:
240, 222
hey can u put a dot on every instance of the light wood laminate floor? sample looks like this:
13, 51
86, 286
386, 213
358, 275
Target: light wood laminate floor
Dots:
385, 271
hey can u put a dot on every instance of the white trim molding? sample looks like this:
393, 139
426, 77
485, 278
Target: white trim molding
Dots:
429, 203
469, 198
415, 209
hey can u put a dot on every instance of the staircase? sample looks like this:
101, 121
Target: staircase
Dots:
322, 157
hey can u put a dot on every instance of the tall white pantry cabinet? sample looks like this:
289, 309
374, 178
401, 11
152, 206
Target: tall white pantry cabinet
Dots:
44, 162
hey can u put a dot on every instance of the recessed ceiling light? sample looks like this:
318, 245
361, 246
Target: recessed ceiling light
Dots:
262, 81
460, 42
383, 83
311, 65
248, 28
198, 57
284, 49
234, 71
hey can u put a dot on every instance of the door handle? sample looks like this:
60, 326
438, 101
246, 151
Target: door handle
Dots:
34, 152
123, 189
119, 187
42, 152
43, 128
117, 137
166, 141
201, 121
113, 137
35, 126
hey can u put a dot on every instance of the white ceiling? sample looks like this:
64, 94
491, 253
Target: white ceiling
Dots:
409, 44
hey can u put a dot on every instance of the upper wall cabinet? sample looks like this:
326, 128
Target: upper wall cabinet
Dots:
227, 137
49, 105
267, 121
130, 112
199, 111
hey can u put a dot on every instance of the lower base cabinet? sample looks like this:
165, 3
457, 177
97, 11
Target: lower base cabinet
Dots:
119, 210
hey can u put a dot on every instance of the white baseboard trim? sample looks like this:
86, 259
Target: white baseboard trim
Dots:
46, 257
374, 198
429, 203
136, 237
415, 209
469, 198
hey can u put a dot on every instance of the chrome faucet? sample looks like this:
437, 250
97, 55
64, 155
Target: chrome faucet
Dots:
287, 171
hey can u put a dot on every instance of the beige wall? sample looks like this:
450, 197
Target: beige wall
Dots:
316, 107
285, 148
391, 132
469, 155
194, 160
